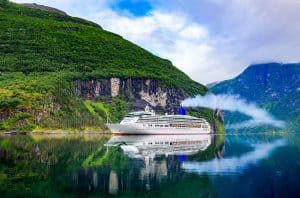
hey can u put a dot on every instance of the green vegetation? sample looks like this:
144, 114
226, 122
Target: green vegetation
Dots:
272, 86
42, 53
77, 166
114, 157
26, 161
112, 111
32, 40
209, 115
42, 101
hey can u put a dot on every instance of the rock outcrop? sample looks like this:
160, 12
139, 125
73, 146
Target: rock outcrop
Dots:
141, 92
219, 114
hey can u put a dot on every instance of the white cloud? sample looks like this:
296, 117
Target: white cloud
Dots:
194, 32
209, 40
235, 103
255, 30
173, 36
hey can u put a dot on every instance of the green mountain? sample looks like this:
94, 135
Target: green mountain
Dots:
62, 72
273, 86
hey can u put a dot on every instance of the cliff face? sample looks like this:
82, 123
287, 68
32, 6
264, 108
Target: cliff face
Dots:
141, 92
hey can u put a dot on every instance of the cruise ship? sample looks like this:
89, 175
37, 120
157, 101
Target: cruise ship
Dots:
148, 123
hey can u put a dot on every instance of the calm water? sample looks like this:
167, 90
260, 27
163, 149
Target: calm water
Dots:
236, 165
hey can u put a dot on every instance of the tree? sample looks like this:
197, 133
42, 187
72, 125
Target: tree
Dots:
3, 3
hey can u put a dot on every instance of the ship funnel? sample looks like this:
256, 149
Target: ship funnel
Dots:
181, 111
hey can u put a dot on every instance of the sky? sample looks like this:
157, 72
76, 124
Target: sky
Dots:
210, 40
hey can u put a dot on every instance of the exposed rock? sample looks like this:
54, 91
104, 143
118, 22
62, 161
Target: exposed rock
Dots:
141, 92
93, 88
155, 99
38, 117
4, 114
115, 86
219, 115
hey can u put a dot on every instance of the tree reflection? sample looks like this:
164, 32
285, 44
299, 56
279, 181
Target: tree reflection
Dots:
97, 165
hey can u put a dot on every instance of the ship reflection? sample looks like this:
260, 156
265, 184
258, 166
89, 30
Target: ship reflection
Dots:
150, 146
143, 163
158, 156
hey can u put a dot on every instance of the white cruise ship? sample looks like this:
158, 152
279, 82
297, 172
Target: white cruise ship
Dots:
148, 123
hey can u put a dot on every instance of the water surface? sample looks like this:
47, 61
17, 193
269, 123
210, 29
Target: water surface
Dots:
233, 165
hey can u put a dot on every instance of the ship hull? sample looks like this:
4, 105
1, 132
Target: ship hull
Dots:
134, 129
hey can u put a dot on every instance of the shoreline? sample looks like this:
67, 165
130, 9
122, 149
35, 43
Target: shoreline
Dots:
54, 133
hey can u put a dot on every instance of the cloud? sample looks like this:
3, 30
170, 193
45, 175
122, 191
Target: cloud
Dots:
235, 104
172, 35
254, 30
210, 40
233, 165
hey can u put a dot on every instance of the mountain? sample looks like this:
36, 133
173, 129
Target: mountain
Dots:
273, 86
59, 72
209, 85
42, 7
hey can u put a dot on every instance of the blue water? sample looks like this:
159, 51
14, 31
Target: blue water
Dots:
264, 164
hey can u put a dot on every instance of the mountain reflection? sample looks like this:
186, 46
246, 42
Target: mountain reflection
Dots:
139, 163
151, 166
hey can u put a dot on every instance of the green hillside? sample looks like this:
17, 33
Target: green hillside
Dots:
32, 40
42, 53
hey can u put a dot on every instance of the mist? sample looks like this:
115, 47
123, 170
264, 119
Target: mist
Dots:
234, 103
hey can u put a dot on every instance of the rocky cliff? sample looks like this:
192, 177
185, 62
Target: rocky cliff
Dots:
141, 92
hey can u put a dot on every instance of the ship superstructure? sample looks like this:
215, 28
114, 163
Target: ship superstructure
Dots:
147, 122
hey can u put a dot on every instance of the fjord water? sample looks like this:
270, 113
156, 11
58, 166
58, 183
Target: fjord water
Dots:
261, 164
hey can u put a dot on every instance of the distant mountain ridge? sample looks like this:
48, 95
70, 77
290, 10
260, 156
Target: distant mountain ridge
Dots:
209, 85
273, 86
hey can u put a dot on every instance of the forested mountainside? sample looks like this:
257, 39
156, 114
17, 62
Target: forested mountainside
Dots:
273, 86
64, 73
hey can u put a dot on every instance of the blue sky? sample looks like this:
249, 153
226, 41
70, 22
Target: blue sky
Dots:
210, 40
138, 8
